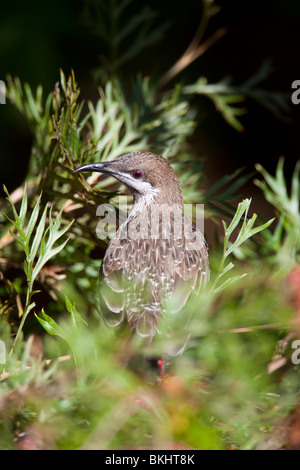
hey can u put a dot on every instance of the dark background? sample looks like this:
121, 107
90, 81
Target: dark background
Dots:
37, 38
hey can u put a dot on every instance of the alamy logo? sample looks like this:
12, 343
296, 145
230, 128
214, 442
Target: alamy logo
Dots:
2, 92
296, 94
2, 352
296, 354
157, 222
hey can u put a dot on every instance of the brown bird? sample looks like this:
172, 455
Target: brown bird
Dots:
155, 253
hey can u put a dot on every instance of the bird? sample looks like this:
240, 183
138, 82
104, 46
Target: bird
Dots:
151, 260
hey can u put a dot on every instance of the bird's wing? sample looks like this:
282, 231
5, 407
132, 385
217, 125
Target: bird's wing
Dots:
112, 291
191, 270
112, 297
191, 267
126, 286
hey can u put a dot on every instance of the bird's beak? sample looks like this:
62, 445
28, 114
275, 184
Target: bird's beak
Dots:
102, 167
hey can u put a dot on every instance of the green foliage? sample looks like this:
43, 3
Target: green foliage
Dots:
244, 234
124, 40
43, 241
71, 337
283, 245
82, 388
225, 96
276, 193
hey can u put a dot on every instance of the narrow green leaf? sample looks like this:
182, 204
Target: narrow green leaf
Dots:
226, 269
28, 309
262, 227
53, 328
72, 310
39, 95
228, 283
23, 208
63, 81
120, 6
242, 208
44, 259
32, 104
50, 325
19, 239
16, 222
38, 236
33, 219
226, 179
69, 305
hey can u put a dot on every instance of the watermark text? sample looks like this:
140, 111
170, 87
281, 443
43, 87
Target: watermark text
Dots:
2, 92
155, 221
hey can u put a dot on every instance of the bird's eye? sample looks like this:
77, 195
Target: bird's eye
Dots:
137, 174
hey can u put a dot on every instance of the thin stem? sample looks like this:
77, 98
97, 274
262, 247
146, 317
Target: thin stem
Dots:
26, 311
221, 266
195, 49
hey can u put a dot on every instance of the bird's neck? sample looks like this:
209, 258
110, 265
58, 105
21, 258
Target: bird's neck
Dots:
147, 203
151, 214
157, 196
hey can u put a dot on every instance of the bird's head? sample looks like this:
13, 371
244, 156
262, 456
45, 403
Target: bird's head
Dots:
146, 175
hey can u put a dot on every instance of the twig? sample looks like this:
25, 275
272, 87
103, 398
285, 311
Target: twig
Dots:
190, 55
248, 329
